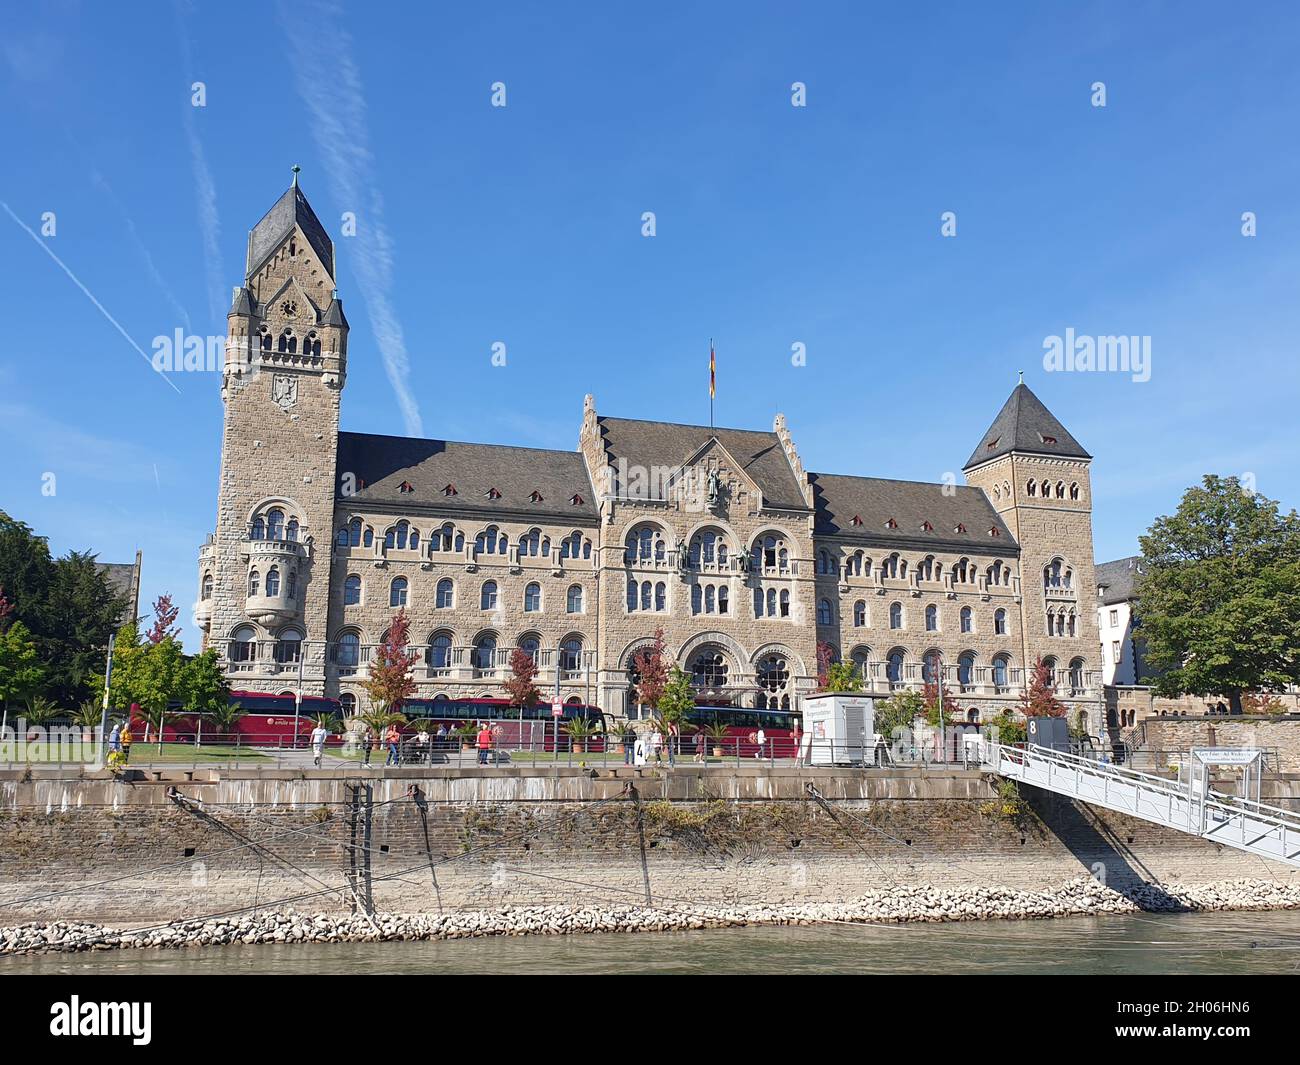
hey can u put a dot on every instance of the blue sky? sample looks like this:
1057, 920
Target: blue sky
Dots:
776, 225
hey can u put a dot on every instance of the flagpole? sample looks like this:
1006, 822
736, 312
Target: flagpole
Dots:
712, 372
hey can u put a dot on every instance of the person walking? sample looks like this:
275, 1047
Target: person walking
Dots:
441, 737
657, 745
629, 743
761, 739
393, 737
484, 744
674, 735
115, 744
127, 739
367, 744
701, 746
797, 736
318, 736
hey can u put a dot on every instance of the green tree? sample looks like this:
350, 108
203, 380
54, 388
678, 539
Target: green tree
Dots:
159, 679
128, 655
900, 710
1219, 595
678, 698
21, 674
204, 690
843, 677
68, 606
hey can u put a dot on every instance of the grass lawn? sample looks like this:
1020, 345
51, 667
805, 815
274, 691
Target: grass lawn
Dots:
141, 753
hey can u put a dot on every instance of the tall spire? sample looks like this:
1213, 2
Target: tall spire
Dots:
296, 170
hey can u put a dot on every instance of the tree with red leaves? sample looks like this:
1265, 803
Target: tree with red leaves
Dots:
521, 686
164, 620
391, 671
1039, 699
6, 608
825, 656
651, 666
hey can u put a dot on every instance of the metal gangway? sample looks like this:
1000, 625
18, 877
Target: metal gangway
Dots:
1186, 805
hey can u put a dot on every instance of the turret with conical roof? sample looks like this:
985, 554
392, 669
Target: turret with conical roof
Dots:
1037, 476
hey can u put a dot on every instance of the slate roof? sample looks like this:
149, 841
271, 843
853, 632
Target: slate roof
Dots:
290, 209
382, 464
1024, 424
1116, 580
651, 444
838, 499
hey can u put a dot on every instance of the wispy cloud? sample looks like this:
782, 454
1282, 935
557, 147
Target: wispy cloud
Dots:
205, 188
155, 275
89, 295
337, 105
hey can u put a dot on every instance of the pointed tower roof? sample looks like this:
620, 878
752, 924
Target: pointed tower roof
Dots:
290, 209
1024, 424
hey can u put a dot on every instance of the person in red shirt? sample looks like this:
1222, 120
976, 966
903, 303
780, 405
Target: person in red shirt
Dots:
484, 744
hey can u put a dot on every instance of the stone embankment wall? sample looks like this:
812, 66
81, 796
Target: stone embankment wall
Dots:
1275, 734
413, 841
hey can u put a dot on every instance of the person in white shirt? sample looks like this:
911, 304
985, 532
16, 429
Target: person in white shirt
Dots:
761, 740
318, 736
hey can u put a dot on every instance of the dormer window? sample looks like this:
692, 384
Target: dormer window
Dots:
577, 500
406, 488
992, 443
492, 493
855, 520
449, 490
1047, 439
994, 531
535, 497
960, 528
891, 524
926, 527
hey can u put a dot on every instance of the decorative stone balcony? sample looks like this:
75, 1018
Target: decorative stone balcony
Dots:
287, 558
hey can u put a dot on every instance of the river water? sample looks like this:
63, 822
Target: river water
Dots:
1236, 943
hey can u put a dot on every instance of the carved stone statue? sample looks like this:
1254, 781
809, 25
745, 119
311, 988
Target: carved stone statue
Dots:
683, 555
713, 490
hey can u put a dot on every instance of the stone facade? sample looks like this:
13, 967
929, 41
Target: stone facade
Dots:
718, 536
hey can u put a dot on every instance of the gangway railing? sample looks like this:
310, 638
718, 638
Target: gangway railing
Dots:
1267, 831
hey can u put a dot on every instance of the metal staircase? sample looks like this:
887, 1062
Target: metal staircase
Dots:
1189, 806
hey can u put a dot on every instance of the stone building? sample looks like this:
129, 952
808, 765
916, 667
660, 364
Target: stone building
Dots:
718, 536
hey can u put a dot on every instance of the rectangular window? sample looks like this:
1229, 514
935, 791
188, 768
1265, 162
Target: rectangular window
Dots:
1114, 618
1114, 650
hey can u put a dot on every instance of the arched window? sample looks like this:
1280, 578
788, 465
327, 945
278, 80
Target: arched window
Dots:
861, 659
205, 591
931, 618
350, 534
963, 572
348, 705
931, 667
275, 524
697, 599
853, 565
661, 596
397, 592
288, 646
1031, 488
895, 615
347, 652
646, 592
485, 650
533, 597
890, 566
443, 539
1001, 673
446, 594
894, 668
967, 619
1050, 663
571, 654
368, 537
773, 678
644, 544
531, 543
825, 616
291, 531
438, 654
1060, 489
574, 599
273, 581
291, 591
708, 599
530, 643
257, 531
709, 669
1074, 490
999, 622
770, 552
708, 549
785, 602
243, 646
771, 602
1076, 674
633, 595
859, 614
487, 599
267, 340
254, 583
966, 671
